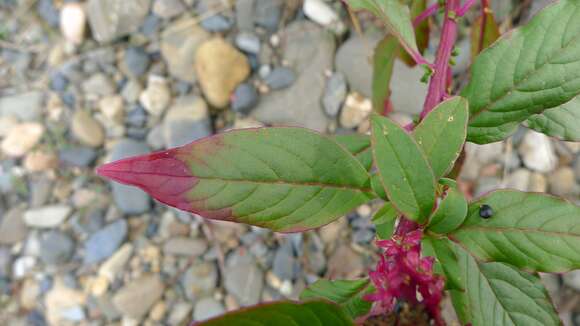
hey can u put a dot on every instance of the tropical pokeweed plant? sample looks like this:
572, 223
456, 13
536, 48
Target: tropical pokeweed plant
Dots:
485, 253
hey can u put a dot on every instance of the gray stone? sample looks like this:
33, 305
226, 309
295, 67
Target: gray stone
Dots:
98, 84
268, 13
248, 42
314, 253
77, 156
130, 200
285, 265
187, 120
5, 262
199, 280
103, 243
245, 14
24, 106
110, 19
245, 98
58, 81
56, 247
354, 61
334, 94
183, 246
137, 117
217, 23
309, 50
48, 12
572, 279
179, 43
137, 297
137, 61
207, 308
243, 279
40, 191
12, 226
47, 216
280, 77
168, 8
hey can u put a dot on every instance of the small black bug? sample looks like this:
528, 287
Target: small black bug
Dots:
485, 211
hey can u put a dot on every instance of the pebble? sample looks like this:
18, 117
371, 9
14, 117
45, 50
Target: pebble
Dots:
179, 45
137, 117
280, 77
199, 280
103, 243
285, 265
157, 96
58, 82
130, 200
112, 108
187, 120
98, 85
72, 22
47, 216
537, 152
179, 313
131, 91
22, 138
245, 98
112, 267
335, 93
354, 60
12, 226
6, 123
48, 12
309, 52
220, 68
268, 13
87, 130
168, 9
217, 23
77, 156
59, 300
572, 279
519, 180
345, 263
158, 311
24, 106
23, 266
137, 297
56, 247
356, 109
207, 308
562, 181
320, 12
137, 61
183, 246
244, 280
111, 19
39, 160
248, 42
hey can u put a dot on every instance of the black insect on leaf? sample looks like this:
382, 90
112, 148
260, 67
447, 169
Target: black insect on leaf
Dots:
485, 211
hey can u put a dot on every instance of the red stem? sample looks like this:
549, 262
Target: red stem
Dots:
465, 8
437, 91
425, 14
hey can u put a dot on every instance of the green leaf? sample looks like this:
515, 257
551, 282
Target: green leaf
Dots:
499, 294
450, 213
562, 122
384, 220
406, 176
284, 313
283, 179
359, 146
422, 31
396, 17
531, 231
446, 263
346, 293
383, 61
377, 186
532, 69
484, 32
441, 134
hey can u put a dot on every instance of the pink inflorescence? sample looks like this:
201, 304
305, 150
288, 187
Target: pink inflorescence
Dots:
401, 274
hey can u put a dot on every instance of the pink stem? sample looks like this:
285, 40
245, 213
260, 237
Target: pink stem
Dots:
465, 8
437, 90
425, 14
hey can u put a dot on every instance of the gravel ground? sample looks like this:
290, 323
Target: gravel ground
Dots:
89, 82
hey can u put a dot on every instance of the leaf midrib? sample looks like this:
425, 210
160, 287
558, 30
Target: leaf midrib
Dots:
516, 229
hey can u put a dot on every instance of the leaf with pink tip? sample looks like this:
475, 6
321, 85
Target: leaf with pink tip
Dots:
283, 179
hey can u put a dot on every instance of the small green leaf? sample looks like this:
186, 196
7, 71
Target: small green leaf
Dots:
284, 313
450, 213
446, 263
359, 146
383, 61
406, 176
346, 293
384, 220
484, 32
531, 231
532, 69
499, 294
441, 134
562, 122
377, 186
396, 17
